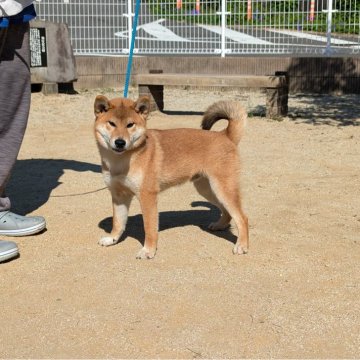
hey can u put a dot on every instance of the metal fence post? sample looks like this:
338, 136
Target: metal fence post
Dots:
223, 19
223, 14
129, 15
330, 11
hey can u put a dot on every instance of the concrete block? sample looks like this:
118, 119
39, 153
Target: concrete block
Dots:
156, 95
49, 88
52, 60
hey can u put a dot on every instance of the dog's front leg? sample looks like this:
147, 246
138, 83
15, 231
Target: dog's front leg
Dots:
121, 204
148, 203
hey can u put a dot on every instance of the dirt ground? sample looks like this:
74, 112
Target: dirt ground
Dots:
295, 295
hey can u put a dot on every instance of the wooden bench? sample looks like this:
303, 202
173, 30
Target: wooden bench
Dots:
276, 87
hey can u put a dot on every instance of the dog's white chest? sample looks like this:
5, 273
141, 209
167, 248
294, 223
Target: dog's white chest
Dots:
131, 181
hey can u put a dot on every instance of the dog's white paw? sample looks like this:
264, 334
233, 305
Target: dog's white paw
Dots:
218, 226
145, 253
239, 250
107, 241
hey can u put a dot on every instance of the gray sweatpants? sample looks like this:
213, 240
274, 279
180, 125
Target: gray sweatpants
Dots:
15, 92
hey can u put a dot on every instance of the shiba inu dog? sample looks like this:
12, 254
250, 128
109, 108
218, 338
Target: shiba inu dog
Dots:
140, 162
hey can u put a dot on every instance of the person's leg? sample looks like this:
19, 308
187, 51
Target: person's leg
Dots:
15, 92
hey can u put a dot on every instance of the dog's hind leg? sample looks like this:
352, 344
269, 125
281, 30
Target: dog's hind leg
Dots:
227, 192
121, 203
202, 185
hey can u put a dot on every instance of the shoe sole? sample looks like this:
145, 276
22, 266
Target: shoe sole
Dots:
7, 255
23, 232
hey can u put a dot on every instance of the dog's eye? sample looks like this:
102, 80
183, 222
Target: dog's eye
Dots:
111, 123
129, 125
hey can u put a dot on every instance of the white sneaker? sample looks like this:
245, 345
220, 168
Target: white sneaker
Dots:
16, 225
8, 250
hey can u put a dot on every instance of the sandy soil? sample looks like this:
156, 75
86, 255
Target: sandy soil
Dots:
296, 294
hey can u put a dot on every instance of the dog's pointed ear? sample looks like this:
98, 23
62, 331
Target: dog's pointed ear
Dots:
142, 106
101, 105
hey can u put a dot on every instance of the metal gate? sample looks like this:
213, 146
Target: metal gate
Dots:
210, 27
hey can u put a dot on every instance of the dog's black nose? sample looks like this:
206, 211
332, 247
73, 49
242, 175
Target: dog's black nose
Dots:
120, 143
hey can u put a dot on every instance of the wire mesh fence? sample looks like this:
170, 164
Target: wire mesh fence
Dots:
200, 27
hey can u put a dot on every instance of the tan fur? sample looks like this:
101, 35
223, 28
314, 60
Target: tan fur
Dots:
141, 162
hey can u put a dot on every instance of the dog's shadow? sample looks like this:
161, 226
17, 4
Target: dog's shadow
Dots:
172, 219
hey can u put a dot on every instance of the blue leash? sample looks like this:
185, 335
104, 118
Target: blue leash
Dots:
130, 60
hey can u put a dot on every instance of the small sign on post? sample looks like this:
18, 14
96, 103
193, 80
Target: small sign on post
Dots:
38, 51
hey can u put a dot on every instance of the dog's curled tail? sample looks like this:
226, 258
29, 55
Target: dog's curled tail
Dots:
228, 110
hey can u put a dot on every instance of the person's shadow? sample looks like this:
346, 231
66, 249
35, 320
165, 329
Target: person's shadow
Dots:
32, 181
171, 219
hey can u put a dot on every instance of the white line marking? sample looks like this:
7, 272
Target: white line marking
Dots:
162, 32
159, 32
236, 35
313, 37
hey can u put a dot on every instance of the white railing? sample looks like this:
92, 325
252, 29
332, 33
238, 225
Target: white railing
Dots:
197, 27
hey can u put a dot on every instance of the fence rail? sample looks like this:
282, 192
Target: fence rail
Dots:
216, 27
